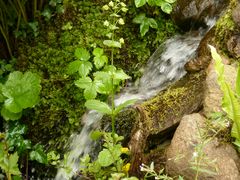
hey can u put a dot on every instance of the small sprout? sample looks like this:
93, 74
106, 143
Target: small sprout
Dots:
123, 4
106, 23
105, 7
121, 40
124, 9
111, 4
109, 35
121, 21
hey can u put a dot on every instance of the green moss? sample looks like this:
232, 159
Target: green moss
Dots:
59, 111
168, 106
225, 27
125, 122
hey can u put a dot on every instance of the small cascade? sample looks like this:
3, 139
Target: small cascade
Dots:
165, 66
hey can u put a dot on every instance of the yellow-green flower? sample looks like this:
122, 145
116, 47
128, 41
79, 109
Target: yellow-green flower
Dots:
105, 7
125, 150
126, 168
121, 21
111, 4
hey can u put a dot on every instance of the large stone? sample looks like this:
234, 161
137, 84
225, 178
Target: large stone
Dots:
213, 94
188, 146
194, 13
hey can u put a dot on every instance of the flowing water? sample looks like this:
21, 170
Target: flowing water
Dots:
165, 66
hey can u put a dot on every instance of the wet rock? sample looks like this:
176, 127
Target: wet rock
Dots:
213, 94
233, 45
236, 15
203, 57
189, 146
193, 13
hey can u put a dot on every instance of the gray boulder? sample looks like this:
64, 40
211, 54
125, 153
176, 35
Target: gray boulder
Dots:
213, 94
189, 146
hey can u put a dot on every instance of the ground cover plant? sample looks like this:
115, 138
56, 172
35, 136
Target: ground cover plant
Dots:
47, 51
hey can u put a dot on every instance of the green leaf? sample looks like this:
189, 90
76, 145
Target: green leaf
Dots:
98, 52
111, 43
85, 68
99, 61
159, 2
152, 23
123, 105
151, 2
73, 67
7, 115
9, 163
2, 98
166, 7
238, 82
139, 18
118, 76
90, 92
13, 165
144, 27
105, 158
98, 106
170, 1
82, 54
83, 82
38, 154
121, 75
22, 91
95, 135
103, 81
139, 3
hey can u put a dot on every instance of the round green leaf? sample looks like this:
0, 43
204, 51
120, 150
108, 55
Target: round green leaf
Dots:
166, 7
98, 52
90, 92
83, 82
7, 115
85, 68
139, 3
22, 91
105, 158
73, 67
82, 54
139, 18
151, 2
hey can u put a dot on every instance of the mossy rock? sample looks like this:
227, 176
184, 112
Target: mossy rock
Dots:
226, 27
161, 115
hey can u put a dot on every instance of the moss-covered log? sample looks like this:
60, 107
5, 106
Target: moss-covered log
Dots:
164, 112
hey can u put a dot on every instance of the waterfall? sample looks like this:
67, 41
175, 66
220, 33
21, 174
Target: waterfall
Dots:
165, 66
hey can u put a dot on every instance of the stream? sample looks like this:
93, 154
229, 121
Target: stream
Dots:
164, 67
